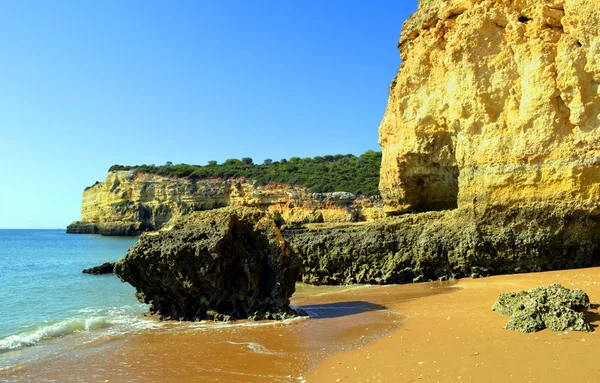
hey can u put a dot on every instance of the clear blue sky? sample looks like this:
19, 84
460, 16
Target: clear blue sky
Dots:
89, 84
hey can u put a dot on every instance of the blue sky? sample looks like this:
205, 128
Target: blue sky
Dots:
89, 84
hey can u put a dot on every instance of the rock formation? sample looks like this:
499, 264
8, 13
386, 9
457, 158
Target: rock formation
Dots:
229, 263
105, 268
128, 202
493, 117
553, 307
447, 244
491, 158
496, 103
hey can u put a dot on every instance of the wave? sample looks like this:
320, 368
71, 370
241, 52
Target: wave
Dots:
53, 331
114, 321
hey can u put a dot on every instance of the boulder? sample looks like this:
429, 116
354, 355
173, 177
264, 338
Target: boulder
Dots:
222, 264
553, 307
105, 268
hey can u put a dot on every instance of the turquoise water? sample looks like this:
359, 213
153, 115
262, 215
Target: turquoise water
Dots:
44, 296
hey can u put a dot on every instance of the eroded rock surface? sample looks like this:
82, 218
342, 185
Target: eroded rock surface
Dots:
229, 263
448, 244
553, 307
495, 103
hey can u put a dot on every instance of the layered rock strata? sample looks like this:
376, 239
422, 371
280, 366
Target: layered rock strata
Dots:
496, 103
229, 263
128, 202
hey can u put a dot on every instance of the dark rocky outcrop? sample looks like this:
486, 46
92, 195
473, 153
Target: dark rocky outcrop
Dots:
449, 244
79, 227
229, 263
125, 229
105, 268
551, 307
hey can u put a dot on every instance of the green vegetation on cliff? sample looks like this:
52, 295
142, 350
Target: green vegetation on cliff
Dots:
321, 174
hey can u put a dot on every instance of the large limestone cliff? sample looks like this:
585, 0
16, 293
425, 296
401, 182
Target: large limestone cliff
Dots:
494, 119
496, 103
130, 202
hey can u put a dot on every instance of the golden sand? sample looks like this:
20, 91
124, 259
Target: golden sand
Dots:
457, 338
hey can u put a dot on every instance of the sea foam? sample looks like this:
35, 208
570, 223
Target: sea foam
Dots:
53, 331
89, 325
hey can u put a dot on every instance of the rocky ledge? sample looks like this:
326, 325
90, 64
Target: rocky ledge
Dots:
449, 244
105, 268
229, 263
125, 229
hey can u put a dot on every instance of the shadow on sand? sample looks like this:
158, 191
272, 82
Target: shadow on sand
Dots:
592, 317
340, 309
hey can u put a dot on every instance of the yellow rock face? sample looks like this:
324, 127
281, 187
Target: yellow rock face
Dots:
128, 202
495, 103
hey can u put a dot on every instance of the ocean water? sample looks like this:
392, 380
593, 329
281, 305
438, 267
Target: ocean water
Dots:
45, 298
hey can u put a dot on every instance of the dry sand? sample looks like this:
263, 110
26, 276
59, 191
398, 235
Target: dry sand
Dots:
457, 338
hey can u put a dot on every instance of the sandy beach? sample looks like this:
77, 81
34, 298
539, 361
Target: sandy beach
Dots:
342, 318
457, 338
438, 332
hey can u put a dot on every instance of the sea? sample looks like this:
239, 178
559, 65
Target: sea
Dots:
44, 296
60, 325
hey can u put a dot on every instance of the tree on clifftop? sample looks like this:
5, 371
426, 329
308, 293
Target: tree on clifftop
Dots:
321, 174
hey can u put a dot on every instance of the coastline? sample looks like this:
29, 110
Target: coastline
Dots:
436, 331
342, 318
458, 338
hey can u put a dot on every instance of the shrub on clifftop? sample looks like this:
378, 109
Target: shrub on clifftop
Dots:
329, 173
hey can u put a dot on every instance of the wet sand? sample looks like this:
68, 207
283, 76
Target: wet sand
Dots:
341, 319
457, 338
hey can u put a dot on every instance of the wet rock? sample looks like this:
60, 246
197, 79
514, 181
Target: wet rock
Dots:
105, 268
553, 307
222, 264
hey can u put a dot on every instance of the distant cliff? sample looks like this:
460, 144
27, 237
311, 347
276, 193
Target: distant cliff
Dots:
130, 202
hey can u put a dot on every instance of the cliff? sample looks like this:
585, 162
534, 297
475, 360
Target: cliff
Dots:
496, 103
130, 202
490, 149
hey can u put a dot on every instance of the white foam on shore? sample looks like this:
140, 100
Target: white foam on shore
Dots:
94, 322
304, 290
208, 325
256, 347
